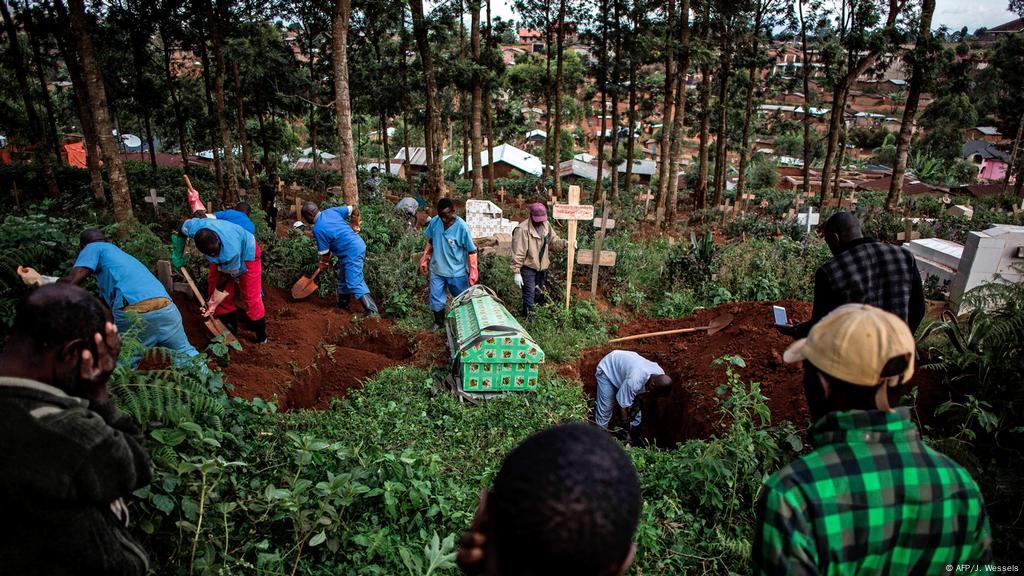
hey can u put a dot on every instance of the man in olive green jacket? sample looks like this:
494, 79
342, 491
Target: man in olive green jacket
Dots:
532, 242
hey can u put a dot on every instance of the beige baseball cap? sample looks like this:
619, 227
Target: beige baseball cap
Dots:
854, 343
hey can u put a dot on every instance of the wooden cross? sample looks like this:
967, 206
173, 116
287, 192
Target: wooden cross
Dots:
646, 196
501, 194
298, 208
154, 200
573, 212
598, 241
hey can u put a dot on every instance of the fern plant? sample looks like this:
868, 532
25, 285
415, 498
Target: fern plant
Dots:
168, 396
982, 350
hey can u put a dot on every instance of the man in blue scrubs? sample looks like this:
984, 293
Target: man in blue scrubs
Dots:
334, 230
450, 258
235, 270
240, 215
127, 286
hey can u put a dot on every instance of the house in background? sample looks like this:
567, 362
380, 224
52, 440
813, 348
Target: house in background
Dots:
990, 160
574, 170
507, 160
417, 159
395, 168
1001, 31
535, 138
986, 133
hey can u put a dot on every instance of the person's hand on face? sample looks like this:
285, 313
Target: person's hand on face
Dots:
94, 370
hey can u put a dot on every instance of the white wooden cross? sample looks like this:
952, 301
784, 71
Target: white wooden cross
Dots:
573, 212
154, 200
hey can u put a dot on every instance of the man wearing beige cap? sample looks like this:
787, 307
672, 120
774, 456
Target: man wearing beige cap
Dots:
871, 498
532, 241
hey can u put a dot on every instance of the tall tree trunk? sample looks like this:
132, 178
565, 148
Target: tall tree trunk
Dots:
835, 128
679, 117
408, 164
138, 45
1014, 156
858, 61
631, 120
701, 192
667, 107
464, 129
748, 109
840, 158
51, 117
556, 143
342, 101
616, 81
179, 120
97, 98
150, 141
808, 99
230, 194
314, 99
211, 113
917, 81
475, 129
487, 106
722, 137
89, 136
36, 129
602, 80
435, 169
243, 135
548, 98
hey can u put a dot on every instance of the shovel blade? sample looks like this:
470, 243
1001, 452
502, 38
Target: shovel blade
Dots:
216, 327
719, 323
303, 288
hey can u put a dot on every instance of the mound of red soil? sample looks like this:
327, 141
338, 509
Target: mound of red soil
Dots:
316, 352
690, 411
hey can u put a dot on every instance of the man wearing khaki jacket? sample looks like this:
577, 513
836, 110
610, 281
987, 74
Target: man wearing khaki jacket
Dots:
532, 242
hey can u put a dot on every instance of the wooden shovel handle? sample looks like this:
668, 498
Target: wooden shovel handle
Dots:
192, 285
188, 183
663, 333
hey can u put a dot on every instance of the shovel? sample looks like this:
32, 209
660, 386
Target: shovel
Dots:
215, 326
305, 286
715, 326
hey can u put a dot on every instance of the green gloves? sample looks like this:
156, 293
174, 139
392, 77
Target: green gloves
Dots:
178, 250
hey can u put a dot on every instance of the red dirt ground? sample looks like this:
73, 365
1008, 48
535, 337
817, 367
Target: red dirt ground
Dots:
315, 353
690, 410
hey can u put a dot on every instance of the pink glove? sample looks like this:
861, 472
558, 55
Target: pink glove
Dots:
474, 270
215, 300
194, 203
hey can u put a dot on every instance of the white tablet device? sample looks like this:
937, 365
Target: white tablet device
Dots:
780, 315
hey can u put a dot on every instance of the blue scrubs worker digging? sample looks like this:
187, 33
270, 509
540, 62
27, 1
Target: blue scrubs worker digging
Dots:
128, 287
336, 231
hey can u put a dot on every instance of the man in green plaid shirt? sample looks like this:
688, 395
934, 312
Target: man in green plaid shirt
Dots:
872, 498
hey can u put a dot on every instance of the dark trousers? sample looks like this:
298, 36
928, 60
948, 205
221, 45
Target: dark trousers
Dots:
533, 289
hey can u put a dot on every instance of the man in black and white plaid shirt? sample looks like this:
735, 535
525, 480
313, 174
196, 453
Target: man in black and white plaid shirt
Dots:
863, 271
